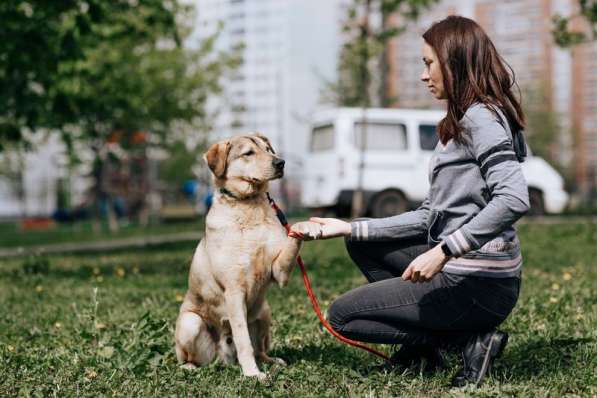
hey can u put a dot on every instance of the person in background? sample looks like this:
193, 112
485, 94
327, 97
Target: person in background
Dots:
449, 272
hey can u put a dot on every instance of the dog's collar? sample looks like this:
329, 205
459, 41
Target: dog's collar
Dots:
226, 192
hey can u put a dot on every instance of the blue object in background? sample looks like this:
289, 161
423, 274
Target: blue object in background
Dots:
190, 188
208, 199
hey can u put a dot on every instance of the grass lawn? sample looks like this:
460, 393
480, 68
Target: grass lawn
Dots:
12, 236
102, 324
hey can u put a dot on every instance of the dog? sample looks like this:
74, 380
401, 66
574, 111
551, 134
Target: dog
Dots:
225, 313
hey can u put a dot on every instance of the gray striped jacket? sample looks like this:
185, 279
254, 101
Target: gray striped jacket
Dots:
477, 192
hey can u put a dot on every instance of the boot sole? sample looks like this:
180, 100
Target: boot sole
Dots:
497, 344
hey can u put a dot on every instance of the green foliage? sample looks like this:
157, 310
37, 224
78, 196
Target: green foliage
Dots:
542, 126
562, 33
364, 45
543, 131
102, 324
177, 168
90, 67
36, 265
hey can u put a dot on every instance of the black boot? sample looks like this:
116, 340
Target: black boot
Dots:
409, 355
478, 355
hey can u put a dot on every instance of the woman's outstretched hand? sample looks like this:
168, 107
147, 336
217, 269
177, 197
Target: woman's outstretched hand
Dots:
332, 227
425, 266
328, 228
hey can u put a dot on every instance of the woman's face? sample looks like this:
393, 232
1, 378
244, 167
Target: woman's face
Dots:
432, 74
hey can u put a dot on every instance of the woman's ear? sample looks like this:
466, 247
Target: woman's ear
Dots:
217, 158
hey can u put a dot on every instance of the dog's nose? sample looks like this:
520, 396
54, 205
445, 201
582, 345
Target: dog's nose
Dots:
278, 163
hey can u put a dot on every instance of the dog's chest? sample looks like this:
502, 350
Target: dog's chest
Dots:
245, 244
264, 244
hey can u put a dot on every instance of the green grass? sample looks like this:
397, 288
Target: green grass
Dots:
12, 236
95, 325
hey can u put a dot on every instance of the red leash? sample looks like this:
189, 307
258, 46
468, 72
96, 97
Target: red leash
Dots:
310, 293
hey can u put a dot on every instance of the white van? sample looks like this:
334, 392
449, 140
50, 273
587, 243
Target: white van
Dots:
399, 145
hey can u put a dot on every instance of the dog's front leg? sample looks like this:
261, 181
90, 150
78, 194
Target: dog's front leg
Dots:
237, 311
283, 263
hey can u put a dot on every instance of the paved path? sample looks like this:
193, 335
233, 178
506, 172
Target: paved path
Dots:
111, 244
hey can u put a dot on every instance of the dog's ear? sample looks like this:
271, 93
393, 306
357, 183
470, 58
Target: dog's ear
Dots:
266, 140
217, 158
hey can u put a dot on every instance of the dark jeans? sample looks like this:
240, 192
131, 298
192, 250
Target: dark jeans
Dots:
443, 311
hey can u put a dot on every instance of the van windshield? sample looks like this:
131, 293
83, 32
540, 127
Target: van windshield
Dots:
381, 136
322, 138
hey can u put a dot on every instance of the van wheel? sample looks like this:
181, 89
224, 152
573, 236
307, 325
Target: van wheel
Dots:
537, 203
387, 204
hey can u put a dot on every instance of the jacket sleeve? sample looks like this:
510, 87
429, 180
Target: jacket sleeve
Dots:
411, 224
491, 145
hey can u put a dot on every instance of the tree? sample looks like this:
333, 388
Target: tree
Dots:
565, 36
91, 68
368, 28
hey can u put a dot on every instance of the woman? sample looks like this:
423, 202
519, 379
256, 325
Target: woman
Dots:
447, 273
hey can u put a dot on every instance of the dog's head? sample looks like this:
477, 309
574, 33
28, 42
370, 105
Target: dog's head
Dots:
244, 164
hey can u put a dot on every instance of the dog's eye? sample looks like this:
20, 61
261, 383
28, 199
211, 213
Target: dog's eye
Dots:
249, 153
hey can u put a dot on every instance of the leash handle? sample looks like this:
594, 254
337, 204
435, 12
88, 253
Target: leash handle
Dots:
282, 217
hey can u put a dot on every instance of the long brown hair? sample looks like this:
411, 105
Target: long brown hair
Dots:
473, 72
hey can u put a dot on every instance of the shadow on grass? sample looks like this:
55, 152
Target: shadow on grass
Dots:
520, 363
322, 355
541, 356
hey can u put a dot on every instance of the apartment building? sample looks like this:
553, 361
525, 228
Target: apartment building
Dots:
290, 48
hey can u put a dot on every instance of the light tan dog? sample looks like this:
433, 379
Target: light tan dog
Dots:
224, 313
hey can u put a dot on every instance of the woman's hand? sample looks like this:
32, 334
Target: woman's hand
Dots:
425, 266
328, 228
332, 227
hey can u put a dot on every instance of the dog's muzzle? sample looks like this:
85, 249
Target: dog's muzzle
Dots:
278, 164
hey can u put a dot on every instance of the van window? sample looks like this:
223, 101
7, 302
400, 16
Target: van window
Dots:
381, 136
428, 137
322, 138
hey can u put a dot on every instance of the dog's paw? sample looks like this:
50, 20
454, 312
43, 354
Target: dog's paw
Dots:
188, 366
272, 360
258, 375
308, 230
278, 361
